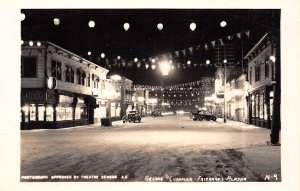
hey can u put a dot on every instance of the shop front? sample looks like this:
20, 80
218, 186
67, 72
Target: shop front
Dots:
44, 109
261, 107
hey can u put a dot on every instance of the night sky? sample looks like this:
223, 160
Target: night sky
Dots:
143, 40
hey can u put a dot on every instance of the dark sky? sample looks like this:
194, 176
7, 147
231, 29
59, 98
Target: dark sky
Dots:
143, 40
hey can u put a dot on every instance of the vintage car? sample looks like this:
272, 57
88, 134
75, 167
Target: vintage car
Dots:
200, 115
132, 116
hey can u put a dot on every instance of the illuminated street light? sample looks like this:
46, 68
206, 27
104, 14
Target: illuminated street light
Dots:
223, 24
207, 62
56, 21
38, 43
23, 16
118, 57
193, 26
89, 53
102, 55
126, 26
165, 68
135, 59
30, 43
92, 24
272, 58
160, 26
225, 61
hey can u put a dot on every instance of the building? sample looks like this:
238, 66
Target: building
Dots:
261, 77
59, 88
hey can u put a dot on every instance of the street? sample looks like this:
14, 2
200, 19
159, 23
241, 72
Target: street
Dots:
170, 148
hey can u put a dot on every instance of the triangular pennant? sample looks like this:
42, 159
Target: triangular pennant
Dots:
238, 35
184, 52
107, 61
221, 42
191, 50
213, 43
247, 33
229, 37
206, 47
123, 63
177, 53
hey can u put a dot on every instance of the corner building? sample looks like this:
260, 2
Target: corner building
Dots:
59, 88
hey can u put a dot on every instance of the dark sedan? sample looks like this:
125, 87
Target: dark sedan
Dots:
203, 115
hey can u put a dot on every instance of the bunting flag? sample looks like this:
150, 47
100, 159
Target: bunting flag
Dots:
184, 52
229, 37
248, 33
107, 61
139, 64
213, 43
221, 42
239, 35
191, 50
206, 47
177, 53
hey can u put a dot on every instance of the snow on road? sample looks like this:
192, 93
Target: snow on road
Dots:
170, 148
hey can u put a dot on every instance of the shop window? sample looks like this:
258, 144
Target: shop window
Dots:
49, 113
41, 112
26, 113
28, 67
69, 74
80, 110
32, 111
64, 112
56, 69
261, 106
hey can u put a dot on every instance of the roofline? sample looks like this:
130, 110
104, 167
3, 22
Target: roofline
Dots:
89, 62
256, 45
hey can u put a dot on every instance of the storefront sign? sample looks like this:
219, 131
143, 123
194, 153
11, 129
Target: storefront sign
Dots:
65, 99
34, 96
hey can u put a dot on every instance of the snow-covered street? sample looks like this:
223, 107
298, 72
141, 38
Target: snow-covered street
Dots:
169, 148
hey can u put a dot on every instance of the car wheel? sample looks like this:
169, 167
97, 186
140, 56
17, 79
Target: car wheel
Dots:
194, 119
214, 119
201, 118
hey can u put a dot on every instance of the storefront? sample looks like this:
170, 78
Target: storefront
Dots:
261, 107
55, 109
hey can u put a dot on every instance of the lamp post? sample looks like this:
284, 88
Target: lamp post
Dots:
165, 68
225, 61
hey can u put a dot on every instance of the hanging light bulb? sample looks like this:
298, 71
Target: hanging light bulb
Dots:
38, 43
119, 57
30, 43
135, 59
188, 62
225, 61
207, 62
23, 16
153, 60
146, 66
272, 58
160, 26
126, 26
22, 42
56, 21
223, 24
89, 53
153, 66
92, 24
193, 26
102, 55
139, 64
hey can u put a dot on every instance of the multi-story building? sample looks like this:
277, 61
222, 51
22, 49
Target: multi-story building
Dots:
261, 77
59, 88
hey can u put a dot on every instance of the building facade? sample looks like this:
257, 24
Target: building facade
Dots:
59, 88
261, 77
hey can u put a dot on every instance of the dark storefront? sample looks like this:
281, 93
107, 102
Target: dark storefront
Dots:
43, 109
261, 107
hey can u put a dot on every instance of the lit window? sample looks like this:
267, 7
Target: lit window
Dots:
56, 69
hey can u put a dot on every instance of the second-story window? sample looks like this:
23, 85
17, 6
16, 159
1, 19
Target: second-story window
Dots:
81, 76
266, 69
69, 74
257, 73
250, 75
56, 69
28, 67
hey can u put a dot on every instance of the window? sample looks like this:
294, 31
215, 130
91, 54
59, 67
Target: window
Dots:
266, 69
89, 81
81, 76
95, 81
69, 74
257, 73
56, 69
28, 67
250, 75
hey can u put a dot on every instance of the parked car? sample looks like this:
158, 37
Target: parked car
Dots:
200, 115
132, 116
156, 113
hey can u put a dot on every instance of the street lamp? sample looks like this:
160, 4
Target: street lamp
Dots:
165, 68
